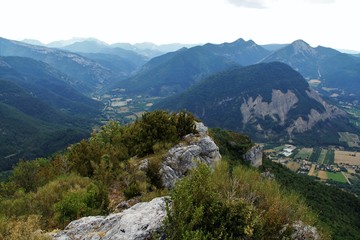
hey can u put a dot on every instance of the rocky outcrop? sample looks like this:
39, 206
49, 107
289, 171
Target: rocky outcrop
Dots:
135, 223
193, 149
301, 231
254, 155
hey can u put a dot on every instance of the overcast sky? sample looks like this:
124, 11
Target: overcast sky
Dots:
330, 23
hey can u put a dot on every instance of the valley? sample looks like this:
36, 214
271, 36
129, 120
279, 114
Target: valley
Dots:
326, 164
124, 108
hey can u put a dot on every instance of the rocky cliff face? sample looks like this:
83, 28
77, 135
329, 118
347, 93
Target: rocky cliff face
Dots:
281, 103
193, 149
301, 124
280, 106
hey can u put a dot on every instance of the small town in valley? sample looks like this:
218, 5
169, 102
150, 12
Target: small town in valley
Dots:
327, 164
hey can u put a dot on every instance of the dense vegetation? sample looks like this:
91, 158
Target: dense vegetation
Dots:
337, 209
240, 204
77, 182
232, 145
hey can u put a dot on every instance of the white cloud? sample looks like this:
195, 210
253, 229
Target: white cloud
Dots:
321, 1
250, 3
261, 4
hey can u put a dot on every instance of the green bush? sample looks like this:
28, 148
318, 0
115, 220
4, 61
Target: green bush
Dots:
80, 202
239, 205
133, 190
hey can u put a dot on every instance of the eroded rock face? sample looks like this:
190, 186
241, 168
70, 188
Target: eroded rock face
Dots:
301, 125
281, 103
184, 156
279, 107
135, 223
254, 155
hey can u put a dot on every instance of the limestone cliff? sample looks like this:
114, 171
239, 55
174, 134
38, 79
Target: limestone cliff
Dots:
279, 107
301, 124
281, 103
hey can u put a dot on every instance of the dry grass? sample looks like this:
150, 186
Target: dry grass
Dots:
322, 175
312, 170
351, 158
293, 166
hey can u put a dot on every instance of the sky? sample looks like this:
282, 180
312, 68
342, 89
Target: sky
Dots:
329, 23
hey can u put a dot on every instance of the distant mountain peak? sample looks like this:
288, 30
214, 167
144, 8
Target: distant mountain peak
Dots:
240, 40
300, 46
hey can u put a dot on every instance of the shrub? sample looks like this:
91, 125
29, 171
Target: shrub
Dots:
26, 228
237, 205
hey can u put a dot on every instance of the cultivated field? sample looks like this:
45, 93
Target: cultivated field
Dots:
322, 175
304, 153
294, 166
322, 155
312, 170
351, 139
338, 177
351, 158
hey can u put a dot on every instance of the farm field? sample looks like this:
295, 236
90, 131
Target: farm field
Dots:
351, 139
312, 170
322, 175
338, 177
315, 155
346, 157
322, 156
304, 153
329, 157
293, 166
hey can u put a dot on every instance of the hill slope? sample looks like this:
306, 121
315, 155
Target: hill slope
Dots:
267, 101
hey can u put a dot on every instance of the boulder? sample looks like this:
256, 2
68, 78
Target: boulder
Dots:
138, 222
194, 149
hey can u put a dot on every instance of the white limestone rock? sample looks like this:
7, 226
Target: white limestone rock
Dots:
135, 223
183, 157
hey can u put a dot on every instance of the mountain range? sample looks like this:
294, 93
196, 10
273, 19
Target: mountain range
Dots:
40, 110
336, 70
86, 75
267, 101
176, 71
58, 83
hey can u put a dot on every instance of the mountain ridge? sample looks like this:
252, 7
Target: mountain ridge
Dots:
268, 101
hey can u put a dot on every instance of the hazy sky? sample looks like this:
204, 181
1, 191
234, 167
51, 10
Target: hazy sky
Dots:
331, 23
